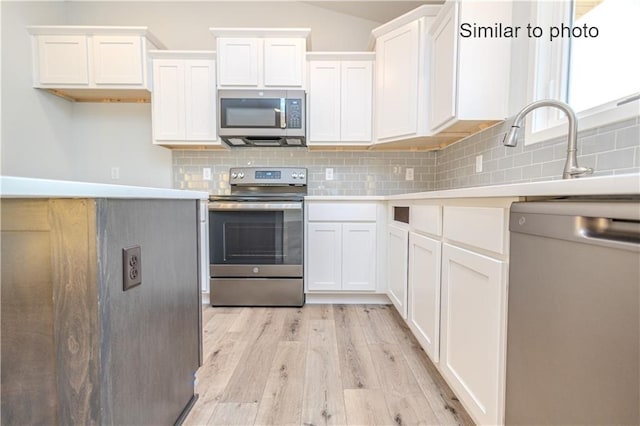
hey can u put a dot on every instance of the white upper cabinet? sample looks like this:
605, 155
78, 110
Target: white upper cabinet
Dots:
240, 64
261, 57
402, 76
469, 76
184, 98
53, 70
284, 62
340, 98
117, 60
93, 63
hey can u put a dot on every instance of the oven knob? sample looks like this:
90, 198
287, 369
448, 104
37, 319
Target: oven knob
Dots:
256, 270
301, 175
234, 175
241, 175
294, 175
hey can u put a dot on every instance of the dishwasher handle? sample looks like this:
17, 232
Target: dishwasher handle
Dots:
615, 233
607, 229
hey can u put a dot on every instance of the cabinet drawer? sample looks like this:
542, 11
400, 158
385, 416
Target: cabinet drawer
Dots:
482, 227
342, 211
427, 219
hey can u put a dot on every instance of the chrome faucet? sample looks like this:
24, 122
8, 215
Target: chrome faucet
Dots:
571, 169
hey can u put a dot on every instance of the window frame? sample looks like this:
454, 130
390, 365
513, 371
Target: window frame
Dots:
554, 60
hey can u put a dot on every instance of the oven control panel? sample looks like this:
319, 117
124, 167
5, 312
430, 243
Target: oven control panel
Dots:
265, 176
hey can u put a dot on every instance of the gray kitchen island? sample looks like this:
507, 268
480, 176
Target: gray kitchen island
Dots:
91, 333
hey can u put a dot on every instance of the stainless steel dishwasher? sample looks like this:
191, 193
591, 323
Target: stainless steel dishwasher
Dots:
573, 336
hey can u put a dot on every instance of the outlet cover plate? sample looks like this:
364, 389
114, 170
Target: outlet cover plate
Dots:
131, 267
328, 173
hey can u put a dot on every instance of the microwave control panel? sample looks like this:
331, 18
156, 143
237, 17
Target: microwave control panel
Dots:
294, 113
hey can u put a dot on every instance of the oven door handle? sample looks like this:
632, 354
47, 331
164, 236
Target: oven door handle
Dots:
254, 206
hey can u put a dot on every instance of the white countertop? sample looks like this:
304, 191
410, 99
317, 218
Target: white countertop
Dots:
20, 187
605, 185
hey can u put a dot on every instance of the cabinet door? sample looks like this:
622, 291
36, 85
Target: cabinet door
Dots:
324, 101
472, 342
424, 292
63, 60
359, 256
397, 247
238, 61
200, 100
117, 60
397, 82
324, 260
283, 61
356, 97
168, 100
444, 58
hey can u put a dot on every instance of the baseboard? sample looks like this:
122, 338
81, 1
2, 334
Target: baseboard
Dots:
347, 299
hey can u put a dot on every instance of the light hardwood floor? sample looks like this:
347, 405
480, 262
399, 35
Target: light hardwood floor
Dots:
317, 365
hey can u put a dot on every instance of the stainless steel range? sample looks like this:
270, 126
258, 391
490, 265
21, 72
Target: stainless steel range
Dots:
256, 238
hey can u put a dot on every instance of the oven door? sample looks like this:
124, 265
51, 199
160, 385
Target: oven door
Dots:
256, 239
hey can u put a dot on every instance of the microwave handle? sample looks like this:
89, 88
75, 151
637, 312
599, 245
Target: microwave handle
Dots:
283, 114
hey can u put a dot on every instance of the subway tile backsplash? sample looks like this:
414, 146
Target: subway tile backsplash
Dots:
354, 173
612, 149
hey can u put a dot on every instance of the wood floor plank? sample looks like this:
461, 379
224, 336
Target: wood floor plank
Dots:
214, 376
375, 326
250, 376
296, 326
318, 312
298, 366
410, 409
442, 400
281, 402
366, 407
356, 365
213, 331
233, 413
393, 371
247, 318
323, 399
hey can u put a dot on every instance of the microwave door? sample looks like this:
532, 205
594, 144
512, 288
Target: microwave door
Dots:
249, 113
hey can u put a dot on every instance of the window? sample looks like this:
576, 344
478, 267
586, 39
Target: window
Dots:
592, 63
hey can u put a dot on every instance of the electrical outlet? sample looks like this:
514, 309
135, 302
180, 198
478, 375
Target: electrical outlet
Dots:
115, 173
408, 173
328, 173
478, 163
131, 267
206, 173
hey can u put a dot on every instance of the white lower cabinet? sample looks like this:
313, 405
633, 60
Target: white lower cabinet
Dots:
341, 256
447, 277
473, 330
359, 256
424, 292
397, 249
324, 252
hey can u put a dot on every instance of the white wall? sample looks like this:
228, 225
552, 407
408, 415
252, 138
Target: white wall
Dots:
36, 126
46, 136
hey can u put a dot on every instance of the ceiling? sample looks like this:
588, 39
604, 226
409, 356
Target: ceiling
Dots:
373, 10
377, 11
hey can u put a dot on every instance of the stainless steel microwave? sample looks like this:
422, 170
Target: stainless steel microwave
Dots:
262, 117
